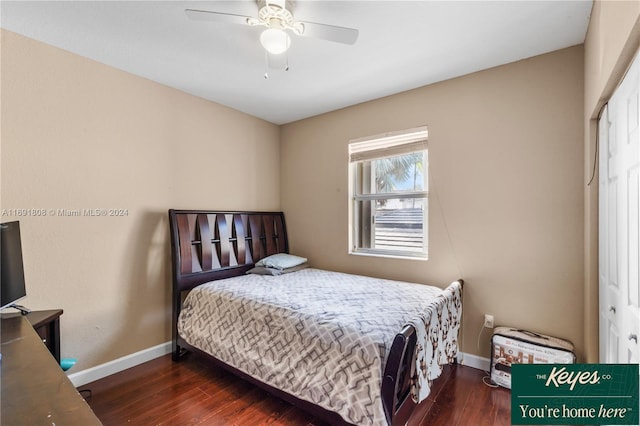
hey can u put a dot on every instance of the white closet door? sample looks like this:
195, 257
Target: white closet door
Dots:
619, 227
608, 267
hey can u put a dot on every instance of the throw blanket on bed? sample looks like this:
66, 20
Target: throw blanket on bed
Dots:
435, 344
323, 336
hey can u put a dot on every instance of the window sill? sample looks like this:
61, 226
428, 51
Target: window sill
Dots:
390, 255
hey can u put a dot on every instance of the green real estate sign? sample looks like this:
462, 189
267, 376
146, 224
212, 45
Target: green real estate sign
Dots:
569, 394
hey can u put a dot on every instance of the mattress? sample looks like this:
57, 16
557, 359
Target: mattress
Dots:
323, 336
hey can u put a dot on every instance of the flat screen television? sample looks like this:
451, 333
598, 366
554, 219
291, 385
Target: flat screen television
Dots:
12, 286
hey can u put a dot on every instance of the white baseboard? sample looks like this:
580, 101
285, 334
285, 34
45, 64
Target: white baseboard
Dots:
103, 370
473, 361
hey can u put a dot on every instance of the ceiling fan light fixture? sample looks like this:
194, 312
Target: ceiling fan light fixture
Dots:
275, 40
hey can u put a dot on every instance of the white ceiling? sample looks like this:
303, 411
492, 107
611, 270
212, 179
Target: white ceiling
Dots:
402, 45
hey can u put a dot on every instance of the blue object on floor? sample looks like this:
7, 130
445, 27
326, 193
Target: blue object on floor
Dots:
67, 363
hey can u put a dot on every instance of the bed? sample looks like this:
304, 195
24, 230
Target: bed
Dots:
347, 348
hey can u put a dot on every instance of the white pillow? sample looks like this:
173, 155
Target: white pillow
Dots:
281, 261
263, 270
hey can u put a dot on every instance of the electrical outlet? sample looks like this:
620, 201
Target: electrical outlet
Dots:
488, 321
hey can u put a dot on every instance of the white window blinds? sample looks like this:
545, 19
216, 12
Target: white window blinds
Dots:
388, 144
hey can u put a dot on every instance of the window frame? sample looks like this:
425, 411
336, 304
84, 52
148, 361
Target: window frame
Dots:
367, 150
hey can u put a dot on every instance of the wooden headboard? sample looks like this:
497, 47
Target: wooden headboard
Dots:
211, 245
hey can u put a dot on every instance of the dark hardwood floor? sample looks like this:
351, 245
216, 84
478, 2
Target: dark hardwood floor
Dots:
192, 392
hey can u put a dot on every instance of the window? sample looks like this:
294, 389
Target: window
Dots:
389, 194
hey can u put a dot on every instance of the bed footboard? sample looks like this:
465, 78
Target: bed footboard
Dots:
395, 391
396, 382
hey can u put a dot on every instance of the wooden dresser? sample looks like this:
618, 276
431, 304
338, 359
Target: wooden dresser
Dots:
35, 390
47, 325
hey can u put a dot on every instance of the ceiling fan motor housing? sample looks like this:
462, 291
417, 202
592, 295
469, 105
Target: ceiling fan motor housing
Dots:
282, 4
277, 14
272, 10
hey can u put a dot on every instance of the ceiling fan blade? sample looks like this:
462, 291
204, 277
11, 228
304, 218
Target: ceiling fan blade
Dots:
330, 32
206, 15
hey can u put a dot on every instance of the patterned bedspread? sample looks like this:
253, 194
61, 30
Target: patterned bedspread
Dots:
323, 336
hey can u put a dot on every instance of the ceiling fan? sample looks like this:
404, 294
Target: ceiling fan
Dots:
277, 17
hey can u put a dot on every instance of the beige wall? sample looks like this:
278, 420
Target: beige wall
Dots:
506, 184
612, 40
77, 134
507, 207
